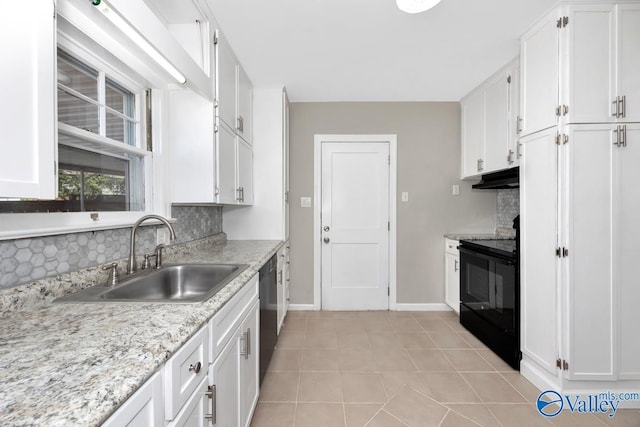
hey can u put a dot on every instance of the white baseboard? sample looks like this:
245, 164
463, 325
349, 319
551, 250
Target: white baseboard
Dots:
301, 307
423, 307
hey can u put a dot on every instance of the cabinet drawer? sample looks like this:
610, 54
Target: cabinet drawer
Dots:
185, 371
451, 246
226, 321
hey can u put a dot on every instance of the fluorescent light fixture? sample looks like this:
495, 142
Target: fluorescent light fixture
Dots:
416, 6
135, 37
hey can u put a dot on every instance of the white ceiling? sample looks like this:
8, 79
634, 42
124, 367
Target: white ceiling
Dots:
368, 50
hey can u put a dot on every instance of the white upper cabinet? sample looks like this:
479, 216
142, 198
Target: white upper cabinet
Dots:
226, 82
234, 91
28, 87
472, 134
539, 68
580, 65
489, 119
244, 177
226, 145
627, 83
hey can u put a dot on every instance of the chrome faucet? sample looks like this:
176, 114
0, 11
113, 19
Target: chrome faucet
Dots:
131, 265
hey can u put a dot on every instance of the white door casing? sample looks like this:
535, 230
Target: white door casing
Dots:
354, 219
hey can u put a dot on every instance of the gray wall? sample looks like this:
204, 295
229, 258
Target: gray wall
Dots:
428, 165
27, 260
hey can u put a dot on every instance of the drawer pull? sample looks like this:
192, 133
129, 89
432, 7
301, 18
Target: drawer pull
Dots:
195, 368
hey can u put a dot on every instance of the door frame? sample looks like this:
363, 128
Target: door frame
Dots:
318, 139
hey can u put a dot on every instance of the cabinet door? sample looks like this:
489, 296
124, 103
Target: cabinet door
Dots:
195, 411
587, 234
226, 144
513, 151
539, 68
249, 368
243, 120
143, 409
226, 64
192, 144
538, 241
28, 127
245, 172
280, 286
472, 134
627, 252
590, 63
224, 375
496, 126
452, 279
628, 60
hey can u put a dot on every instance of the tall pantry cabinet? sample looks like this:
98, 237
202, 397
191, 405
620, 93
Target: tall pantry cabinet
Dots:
579, 197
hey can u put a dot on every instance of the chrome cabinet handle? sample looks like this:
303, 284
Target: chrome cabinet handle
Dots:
211, 393
195, 368
240, 124
326, 240
326, 228
248, 338
518, 125
480, 165
623, 141
615, 110
455, 265
623, 106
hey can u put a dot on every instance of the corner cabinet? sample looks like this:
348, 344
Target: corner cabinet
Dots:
29, 122
489, 124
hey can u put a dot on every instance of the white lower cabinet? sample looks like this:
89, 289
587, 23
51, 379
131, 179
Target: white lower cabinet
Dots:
283, 284
212, 380
452, 274
143, 409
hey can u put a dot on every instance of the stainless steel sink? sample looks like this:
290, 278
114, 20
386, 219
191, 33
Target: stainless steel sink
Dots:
184, 283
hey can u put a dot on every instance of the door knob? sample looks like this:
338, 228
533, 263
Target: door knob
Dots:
326, 228
326, 240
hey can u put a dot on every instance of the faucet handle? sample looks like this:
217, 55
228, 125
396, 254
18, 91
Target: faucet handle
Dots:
147, 263
158, 255
114, 276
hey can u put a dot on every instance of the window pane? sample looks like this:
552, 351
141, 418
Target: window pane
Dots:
120, 129
77, 112
76, 76
119, 99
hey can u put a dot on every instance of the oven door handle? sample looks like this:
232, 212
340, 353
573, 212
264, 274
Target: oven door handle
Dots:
492, 257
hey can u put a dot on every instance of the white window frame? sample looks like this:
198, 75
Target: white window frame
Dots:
23, 225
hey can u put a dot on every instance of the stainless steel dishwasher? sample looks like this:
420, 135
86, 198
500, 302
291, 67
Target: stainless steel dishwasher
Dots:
268, 313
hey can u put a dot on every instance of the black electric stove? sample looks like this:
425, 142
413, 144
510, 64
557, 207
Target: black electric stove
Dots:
490, 294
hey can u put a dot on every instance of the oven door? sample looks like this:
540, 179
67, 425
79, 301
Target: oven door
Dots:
488, 287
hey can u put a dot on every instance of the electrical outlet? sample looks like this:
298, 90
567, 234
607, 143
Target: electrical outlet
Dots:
305, 202
456, 190
405, 196
162, 236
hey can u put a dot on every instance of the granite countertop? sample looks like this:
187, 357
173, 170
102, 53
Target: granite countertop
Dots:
74, 364
500, 233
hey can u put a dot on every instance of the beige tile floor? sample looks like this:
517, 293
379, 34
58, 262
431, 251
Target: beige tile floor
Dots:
388, 369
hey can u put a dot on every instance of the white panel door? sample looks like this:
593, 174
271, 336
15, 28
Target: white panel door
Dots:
590, 64
249, 366
588, 222
226, 147
627, 252
355, 218
224, 374
539, 68
452, 280
28, 85
245, 172
226, 82
496, 126
628, 59
538, 241
472, 134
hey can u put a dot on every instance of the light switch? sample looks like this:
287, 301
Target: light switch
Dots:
456, 190
405, 196
305, 202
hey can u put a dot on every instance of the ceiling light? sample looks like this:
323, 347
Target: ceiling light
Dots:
135, 37
416, 6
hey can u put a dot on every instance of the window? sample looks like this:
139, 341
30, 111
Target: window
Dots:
101, 158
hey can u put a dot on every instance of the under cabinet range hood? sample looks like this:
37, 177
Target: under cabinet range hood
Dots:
509, 178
